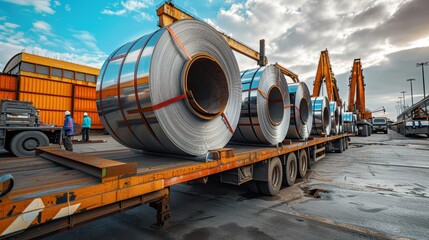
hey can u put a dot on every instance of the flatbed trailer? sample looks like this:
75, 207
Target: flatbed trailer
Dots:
58, 190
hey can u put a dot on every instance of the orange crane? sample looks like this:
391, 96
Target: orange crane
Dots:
357, 86
169, 13
324, 74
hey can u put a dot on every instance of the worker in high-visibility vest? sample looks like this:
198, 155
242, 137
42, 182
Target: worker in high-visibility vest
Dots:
86, 125
68, 131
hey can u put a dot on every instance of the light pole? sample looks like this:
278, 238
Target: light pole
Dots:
411, 82
403, 96
400, 105
422, 64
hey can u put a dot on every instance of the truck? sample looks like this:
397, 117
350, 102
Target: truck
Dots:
56, 190
379, 124
21, 131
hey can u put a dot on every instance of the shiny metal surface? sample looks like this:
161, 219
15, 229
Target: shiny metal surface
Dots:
349, 122
335, 118
150, 71
265, 107
321, 116
301, 119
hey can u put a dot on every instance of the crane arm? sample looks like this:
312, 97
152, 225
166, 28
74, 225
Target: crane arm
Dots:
324, 74
357, 86
169, 13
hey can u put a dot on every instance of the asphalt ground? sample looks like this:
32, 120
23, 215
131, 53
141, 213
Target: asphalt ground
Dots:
377, 189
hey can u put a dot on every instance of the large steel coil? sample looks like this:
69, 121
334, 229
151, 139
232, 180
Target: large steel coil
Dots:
349, 122
321, 116
176, 90
301, 111
265, 112
335, 118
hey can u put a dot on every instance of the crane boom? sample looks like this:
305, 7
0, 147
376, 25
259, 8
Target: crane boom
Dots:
357, 87
324, 73
169, 13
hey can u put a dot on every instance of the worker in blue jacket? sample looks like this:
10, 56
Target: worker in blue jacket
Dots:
86, 125
68, 131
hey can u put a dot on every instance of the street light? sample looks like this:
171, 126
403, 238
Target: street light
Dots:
403, 96
422, 64
411, 82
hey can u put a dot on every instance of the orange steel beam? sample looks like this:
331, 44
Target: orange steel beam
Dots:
288, 73
324, 73
168, 13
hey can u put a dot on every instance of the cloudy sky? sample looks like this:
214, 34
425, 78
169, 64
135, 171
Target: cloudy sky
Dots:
390, 36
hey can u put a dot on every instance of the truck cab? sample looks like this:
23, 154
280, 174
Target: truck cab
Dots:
379, 124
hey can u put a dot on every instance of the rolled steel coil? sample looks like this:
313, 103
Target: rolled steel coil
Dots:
265, 107
321, 116
176, 90
335, 118
301, 119
348, 122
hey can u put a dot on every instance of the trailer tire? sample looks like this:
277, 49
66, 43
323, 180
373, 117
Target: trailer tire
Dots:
24, 143
302, 163
385, 132
252, 186
346, 141
364, 132
290, 170
340, 145
274, 182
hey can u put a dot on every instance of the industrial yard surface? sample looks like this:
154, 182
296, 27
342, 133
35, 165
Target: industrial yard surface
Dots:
377, 189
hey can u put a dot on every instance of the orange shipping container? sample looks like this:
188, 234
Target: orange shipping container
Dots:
96, 122
47, 102
84, 92
7, 95
36, 85
85, 105
8, 82
52, 117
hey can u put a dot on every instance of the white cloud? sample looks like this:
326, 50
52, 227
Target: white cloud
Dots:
67, 7
57, 3
42, 26
2, 18
40, 6
10, 25
134, 8
87, 38
117, 12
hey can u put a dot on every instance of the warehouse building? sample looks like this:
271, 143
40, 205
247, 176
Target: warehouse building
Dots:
53, 86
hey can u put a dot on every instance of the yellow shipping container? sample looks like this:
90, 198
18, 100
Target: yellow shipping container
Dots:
8, 82
47, 102
84, 92
96, 122
85, 105
8, 95
37, 85
52, 117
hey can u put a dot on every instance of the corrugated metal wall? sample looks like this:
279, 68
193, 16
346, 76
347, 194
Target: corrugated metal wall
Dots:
8, 85
84, 101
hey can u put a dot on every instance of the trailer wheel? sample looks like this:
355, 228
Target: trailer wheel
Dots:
339, 145
302, 163
385, 132
346, 140
24, 143
364, 132
274, 181
289, 170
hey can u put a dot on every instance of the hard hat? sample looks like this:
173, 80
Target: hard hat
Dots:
67, 113
85, 114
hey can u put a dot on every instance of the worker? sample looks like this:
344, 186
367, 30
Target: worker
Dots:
37, 118
86, 125
68, 131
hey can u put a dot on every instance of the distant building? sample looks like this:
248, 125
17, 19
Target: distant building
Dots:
53, 86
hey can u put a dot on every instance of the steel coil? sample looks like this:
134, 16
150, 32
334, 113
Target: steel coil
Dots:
321, 116
176, 90
335, 118
301, 119
265, 112
349, 122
